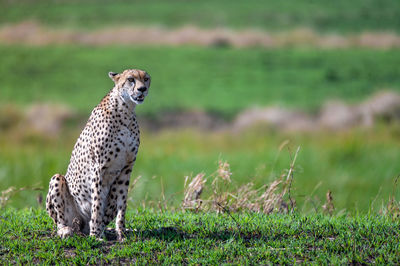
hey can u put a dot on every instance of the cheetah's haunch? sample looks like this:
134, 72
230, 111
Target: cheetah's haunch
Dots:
94, 189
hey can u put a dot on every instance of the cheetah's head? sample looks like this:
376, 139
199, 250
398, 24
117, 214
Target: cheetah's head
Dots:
132, 84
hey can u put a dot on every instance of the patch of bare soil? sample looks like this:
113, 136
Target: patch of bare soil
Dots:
184, 119
42, 119
47, 119
333, 115
32, 33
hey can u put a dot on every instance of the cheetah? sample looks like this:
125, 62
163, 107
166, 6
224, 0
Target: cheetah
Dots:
94, 190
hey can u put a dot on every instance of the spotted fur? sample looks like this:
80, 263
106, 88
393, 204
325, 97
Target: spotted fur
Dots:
94, 190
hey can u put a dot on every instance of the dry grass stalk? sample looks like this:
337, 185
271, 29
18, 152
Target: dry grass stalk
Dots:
328, 207
271, 201
193, 191
266, 199
245, 198
11, 191
249, 198
289, 180
393, 206
133, 184
224, 171
6, 195
220, 186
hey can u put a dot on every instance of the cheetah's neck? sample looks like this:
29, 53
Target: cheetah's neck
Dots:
113, 105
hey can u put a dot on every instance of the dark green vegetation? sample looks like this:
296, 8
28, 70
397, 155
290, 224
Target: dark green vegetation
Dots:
220, 80
359, 167
324, 15
176, 238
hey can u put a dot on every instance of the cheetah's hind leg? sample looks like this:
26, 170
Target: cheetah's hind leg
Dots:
61, 207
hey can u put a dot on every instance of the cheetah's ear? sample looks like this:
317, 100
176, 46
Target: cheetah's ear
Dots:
114, 76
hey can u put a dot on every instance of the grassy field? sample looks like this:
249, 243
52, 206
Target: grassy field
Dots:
221, 80
323, 16
359, 167
185, 238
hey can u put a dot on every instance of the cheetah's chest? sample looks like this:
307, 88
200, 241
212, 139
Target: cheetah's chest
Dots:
124, 152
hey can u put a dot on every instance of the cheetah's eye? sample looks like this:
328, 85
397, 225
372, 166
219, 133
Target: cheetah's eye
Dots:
131, 79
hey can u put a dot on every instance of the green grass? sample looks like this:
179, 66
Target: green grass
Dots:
324, 16
359, 167
221, 80
206, 238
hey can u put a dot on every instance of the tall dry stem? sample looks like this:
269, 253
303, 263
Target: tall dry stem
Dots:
328, 207
220, 186
193, 191
393, 206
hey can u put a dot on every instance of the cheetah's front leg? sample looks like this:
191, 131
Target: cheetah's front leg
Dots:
122, 192
98, 198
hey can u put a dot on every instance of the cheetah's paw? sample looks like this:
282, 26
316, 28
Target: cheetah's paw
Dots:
65, 231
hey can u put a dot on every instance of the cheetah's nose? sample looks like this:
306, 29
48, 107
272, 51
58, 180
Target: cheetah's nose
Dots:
142, 89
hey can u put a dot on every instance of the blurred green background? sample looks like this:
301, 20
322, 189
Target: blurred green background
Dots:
323, 16
358, 164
